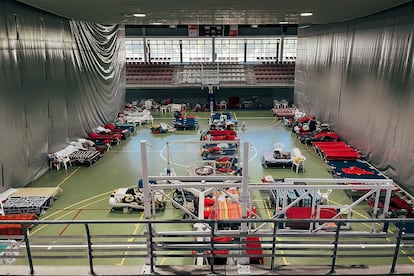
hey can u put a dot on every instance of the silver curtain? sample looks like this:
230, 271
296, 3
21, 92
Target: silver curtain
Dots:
359, 77
59, 79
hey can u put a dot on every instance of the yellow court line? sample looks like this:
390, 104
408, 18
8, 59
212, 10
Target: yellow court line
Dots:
408, 257
265, 126
362, 215
81, 207
67, 177
137, 226
285, 261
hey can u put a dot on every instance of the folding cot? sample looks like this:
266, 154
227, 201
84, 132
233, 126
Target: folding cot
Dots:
106, 138
224, 119
87, 157
15, 229
308, 213
214, 151
131, 126
284, 160
125, 132
225, 206
398, 207
325, 136
72, 153
284, 112
278, 157
219, 135
336, 151
185, 122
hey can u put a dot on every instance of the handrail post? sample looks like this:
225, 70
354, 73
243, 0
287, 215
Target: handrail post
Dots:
335, 249
151, 247
28, 251
212, 248
90, 255
274, 239
397, 248
147, 205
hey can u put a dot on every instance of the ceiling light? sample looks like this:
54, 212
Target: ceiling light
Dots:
306, 14
139, 14
156, 23
283, 22
255, 26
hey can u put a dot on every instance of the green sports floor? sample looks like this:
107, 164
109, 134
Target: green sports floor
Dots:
86, 190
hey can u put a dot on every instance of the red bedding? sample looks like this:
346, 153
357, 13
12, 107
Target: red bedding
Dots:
324, 145
226, 132
341, 154
306, 213
336, 151
283, 112
254, 247
356, 170
102, 136
15, 229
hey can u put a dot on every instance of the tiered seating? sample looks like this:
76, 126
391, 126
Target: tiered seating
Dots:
274, 72
137, 73
223, 72
232, 72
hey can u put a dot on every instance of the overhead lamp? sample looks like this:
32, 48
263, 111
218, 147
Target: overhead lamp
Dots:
156, 23
255, 26
139, 14
283, 22
306, 14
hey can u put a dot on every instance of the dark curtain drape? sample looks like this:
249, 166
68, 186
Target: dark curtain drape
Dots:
359, 77
58, 80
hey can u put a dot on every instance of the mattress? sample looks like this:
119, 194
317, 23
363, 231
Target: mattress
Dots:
268, 160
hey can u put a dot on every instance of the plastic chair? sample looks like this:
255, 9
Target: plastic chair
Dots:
325, 196
65, 161
298, 164
223, 105
284, 103
148, 104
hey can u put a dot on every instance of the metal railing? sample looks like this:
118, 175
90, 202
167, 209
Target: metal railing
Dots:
96, 240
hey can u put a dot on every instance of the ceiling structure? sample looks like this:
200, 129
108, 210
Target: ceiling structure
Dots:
219, 12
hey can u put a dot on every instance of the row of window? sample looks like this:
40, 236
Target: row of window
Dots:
178, 50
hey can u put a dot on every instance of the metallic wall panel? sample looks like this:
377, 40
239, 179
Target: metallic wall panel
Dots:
358, 76
59, 80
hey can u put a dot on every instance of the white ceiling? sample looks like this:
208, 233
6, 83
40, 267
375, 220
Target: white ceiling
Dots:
176, 12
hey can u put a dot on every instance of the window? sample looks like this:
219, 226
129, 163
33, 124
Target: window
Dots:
135, 49
201, 49
164, 50
266, 49
289, 48
197, 50
229, 50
